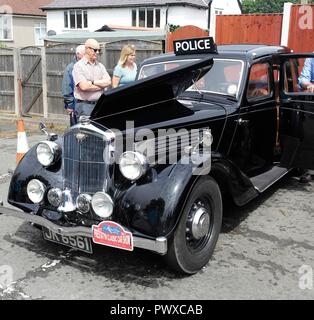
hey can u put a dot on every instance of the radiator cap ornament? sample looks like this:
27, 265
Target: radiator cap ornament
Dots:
85, 120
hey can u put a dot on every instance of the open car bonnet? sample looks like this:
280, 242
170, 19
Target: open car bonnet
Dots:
151, 90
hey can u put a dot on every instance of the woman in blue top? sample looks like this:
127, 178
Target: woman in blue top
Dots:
126, 69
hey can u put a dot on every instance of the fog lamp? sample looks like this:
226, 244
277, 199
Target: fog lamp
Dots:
55, 197
102, 204
83, 203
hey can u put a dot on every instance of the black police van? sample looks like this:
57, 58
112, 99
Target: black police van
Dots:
151, 166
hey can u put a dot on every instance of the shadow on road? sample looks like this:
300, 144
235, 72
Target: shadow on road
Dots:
234, 215
140, 267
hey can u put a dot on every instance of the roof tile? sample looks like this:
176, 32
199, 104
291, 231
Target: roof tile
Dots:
26, 7
62, 4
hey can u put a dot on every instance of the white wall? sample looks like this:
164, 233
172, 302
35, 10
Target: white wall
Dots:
55, 21
96, 19
184, 16
228, 6
24, 31
177, 15
99, 17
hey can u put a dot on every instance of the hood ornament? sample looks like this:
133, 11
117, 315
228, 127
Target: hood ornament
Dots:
84, 120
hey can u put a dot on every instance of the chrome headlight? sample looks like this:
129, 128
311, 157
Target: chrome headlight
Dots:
102, 204
133, 165
36, 191
55, 197
83, 203
48, 153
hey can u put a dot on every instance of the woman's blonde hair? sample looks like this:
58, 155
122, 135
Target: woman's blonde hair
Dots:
125, 52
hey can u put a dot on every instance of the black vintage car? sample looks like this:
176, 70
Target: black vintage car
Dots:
110, 180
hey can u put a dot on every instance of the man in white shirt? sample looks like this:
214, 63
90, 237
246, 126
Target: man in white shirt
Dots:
90, 79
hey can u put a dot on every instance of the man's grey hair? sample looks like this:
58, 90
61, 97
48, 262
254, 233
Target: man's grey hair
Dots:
80, 49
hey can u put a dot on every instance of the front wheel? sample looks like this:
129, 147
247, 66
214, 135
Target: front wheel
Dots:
196, 235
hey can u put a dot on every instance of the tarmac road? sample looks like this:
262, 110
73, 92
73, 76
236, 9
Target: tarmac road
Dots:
265, 251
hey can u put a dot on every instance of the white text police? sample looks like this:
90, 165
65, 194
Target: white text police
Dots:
192, 46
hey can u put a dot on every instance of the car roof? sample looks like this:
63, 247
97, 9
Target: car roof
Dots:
240, 51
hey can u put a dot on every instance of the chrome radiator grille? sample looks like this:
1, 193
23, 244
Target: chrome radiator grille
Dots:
84, 168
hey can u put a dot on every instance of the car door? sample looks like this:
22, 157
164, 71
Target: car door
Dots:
296, 114
255, 138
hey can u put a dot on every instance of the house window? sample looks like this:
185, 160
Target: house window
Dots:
40, 33
157, 18
75, 19
6, 27
150, 18
146, 17
85, 18
141, 18
218, 12
133, 17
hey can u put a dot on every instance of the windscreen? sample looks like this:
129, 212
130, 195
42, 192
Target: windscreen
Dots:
224, 78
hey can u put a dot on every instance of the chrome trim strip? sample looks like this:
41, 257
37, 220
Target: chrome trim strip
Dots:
107, 135
159, 245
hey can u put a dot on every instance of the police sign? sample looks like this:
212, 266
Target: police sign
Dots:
193, 46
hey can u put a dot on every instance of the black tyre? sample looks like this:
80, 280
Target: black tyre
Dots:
196, 235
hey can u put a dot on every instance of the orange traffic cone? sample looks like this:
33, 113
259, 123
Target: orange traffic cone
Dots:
22, 145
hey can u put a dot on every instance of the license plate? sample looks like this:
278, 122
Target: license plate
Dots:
77, 242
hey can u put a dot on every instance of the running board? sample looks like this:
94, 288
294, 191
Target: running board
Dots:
268, 178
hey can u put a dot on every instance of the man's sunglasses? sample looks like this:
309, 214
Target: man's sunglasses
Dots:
95, 50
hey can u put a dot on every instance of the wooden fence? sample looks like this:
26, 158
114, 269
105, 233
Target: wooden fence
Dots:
31, 78
301, 32
7, 80
254, 28
268, 28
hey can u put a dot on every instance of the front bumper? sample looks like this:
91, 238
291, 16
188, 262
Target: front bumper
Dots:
158, 245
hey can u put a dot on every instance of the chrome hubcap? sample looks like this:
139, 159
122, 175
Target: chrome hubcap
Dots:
198, 222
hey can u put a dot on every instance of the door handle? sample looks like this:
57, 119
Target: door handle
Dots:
241, 122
